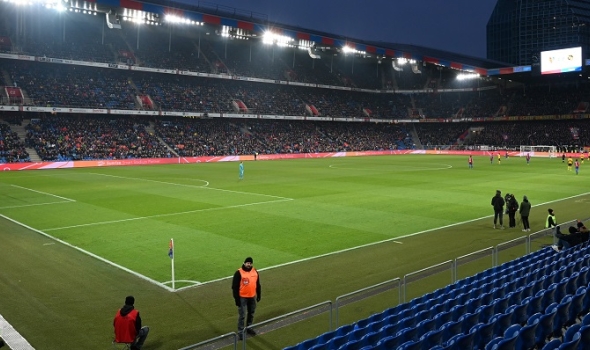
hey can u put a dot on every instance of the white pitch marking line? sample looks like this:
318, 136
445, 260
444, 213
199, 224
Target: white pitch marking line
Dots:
391, 240
32, 205
193, 186
137, 274
12, 337
45, 193
164, 215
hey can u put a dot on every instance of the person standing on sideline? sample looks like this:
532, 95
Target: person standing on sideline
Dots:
577, 166
525, 210
550, 222
512, 205
528, 159
241, 167
470, 162
128, 327
498, 204
246, 292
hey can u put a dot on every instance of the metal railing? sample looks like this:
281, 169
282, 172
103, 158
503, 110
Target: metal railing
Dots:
367, 292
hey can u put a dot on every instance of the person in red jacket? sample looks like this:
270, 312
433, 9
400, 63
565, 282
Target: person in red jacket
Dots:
128, 327
246, 292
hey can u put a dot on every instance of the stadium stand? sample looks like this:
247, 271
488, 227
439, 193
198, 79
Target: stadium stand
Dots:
438, 320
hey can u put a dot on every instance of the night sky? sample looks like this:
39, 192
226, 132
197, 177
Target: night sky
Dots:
457, 26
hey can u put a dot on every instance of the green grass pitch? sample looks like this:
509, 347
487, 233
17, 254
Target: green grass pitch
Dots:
307, 223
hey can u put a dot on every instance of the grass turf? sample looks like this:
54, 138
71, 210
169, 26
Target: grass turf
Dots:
283, 211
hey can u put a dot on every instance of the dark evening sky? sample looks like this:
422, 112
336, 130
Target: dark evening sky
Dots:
457, 26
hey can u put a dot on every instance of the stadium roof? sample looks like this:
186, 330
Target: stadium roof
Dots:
214, 14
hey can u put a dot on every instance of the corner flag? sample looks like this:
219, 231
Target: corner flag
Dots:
171, 255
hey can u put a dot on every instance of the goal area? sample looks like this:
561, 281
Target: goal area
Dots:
551, 151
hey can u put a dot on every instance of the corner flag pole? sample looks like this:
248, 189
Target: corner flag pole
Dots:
171, 255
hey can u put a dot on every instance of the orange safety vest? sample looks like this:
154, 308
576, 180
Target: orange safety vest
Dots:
248, 283
125, 331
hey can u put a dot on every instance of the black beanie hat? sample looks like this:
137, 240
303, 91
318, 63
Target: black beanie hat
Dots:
249, 259
129, 300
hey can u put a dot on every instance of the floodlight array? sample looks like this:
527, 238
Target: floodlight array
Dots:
270, 38
181, 20
467, 76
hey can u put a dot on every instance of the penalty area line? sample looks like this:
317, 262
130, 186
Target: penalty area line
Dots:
163, 215
83, 251
45, 193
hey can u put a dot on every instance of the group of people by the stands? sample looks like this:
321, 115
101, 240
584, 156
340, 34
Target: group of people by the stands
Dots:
512, 207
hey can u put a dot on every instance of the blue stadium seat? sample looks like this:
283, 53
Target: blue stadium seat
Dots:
391, 342
426, 326
502, 322
586, 303
500, 305
570, 332
431, 339
572, 283
552, 345
584, 336
519, 313
534, 304
411, 345
460, 342
560, 291
450, 329
583, 279
344, 330
548, 296
337, 342
576, 306
442, 318
561, 315
307, 344
504, 344
473, 304
370, 339
541, 334
485, 313
469, 320
457, 311
407, 334
526, 337
572, 344
483, 334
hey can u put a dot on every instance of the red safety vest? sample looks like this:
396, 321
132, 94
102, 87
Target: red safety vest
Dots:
125, 331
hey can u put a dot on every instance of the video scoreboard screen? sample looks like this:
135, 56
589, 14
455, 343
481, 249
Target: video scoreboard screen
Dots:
561, 61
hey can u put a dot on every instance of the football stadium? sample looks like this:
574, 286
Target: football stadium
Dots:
387, 196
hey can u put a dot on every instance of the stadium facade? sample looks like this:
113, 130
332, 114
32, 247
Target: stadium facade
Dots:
518, 31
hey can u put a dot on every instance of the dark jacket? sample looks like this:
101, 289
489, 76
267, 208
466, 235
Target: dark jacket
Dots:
525, 208
574, 238
512, 205
498, 202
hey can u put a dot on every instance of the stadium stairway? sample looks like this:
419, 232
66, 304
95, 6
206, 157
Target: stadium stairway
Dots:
22, 135
152, 131
415, 137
